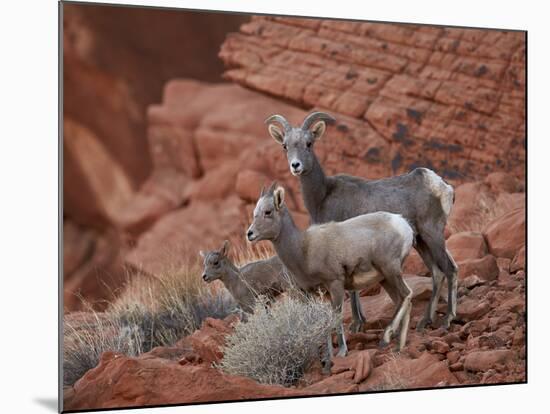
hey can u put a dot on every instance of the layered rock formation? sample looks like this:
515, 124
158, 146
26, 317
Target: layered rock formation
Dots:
112, 70
403, 95
447, 98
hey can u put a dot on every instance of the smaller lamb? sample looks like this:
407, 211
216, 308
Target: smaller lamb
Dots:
263, 277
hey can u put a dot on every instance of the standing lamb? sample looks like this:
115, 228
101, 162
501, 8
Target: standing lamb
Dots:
352, 254
421, 196
263, 277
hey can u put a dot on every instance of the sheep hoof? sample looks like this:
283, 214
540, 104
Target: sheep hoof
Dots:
383, 343
357, 326
424, 322
342, 352
326, 367
447, 322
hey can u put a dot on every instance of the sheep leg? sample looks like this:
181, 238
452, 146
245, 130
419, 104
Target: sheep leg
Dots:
405, 327
392, 292
429, 316
394, 296
437, 278
452, 291
431, 238
337, 293
326, 358
359, 319
405, 297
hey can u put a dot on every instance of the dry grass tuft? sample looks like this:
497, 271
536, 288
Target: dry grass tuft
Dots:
278, 344
152, 311
395, 378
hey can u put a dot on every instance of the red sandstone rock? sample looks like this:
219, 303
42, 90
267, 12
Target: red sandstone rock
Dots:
484, 360
471, 281
516, 304
175, 239
414, 264
98, 273
96, 186
249, 183
335, 384
113, 69
452, 357
519, 261
503, 182
485, 268
470, 309
360, 362
440, 347
400, 373
119, 381
209, 340
432, 95
473, 201
216, 184
160, 194
467, 245
506, 234
77, 246
506, 202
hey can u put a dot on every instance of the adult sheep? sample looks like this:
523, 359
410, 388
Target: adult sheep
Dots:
421, 197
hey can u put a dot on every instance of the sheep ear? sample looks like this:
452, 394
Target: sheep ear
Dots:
225, 248
279, 197
276, 133
202, 254
318, 129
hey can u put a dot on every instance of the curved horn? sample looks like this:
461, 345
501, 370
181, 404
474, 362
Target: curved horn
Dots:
315, 116
280, 119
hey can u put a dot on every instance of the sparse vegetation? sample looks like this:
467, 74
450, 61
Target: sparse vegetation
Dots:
278, 344
395, 378
150, 312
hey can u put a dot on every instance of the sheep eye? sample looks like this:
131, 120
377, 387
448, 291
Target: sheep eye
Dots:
216, 263
308, 144
284, 147
268, 213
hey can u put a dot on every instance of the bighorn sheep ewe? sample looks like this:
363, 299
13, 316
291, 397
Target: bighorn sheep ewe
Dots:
352, 254
421, 196
262, 277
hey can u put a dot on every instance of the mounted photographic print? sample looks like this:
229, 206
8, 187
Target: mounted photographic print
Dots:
263, 207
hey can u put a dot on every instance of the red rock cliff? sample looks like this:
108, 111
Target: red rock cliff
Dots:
448, 98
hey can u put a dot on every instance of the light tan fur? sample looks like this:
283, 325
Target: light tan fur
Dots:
351, 254
441, 190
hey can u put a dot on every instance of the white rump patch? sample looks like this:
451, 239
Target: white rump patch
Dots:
440, 189
406, 231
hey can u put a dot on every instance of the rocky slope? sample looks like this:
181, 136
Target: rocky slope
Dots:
485, 345
404, 96
450, 99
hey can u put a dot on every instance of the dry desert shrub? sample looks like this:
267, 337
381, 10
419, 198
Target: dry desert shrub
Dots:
152, 311
86, 339
278, 344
